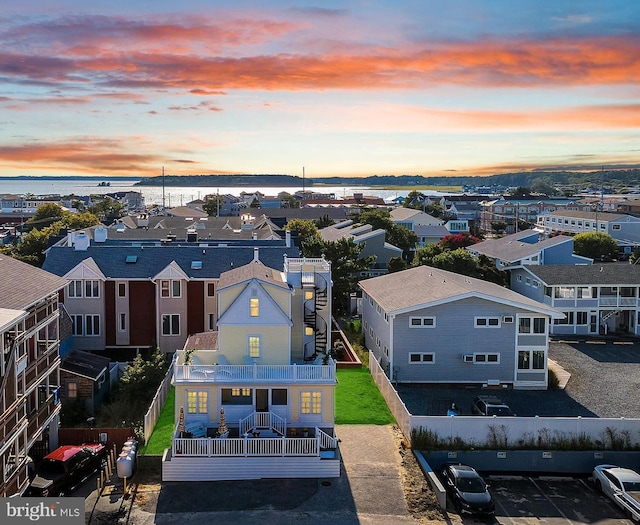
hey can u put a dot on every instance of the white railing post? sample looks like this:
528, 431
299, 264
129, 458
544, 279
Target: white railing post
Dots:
295, 373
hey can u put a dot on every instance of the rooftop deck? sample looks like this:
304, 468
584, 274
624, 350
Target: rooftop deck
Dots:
255, 373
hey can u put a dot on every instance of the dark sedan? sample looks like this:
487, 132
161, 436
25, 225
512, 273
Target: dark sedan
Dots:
467, 490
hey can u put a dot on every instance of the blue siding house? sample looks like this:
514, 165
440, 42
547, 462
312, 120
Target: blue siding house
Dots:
427, 325
597, 299
528, 247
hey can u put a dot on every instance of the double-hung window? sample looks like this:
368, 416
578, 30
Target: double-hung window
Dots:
254, 346
171, 324
74, 289
92, 324
92, 288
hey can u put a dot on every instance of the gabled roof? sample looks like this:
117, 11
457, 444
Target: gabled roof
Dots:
431, 230
426, 286
202, 341
151, 260
254, 270
513, 248
400, 213
614, 274
22, 285
184, 211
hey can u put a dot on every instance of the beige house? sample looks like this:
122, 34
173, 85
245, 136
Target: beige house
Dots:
29, 369
257, 395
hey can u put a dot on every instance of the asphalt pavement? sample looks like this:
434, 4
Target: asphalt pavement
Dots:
369, 491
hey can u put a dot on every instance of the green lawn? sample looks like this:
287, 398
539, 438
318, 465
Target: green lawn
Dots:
161, 437
358, 400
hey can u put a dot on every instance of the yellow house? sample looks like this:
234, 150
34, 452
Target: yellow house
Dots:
256, 398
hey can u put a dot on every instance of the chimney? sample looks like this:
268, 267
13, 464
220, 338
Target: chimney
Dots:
100, 234
256, 256
287, 237
142, 220
81, 241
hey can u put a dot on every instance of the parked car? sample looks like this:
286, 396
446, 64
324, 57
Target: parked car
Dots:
490, 406
62, 470
467, 490
622, 485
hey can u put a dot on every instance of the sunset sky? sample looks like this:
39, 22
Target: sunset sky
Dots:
342, 88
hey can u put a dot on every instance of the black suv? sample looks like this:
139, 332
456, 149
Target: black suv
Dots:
65, 468
490, 406
467, 490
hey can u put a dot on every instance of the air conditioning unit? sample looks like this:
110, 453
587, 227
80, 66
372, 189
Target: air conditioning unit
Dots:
468, 358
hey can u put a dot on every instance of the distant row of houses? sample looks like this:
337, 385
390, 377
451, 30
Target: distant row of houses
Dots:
249, 324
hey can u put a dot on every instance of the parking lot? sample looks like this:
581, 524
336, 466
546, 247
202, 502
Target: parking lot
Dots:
525, 500
605, 379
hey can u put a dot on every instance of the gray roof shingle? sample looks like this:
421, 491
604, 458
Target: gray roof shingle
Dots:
424, 285
615, 274
22, 285
510, 248
153, 259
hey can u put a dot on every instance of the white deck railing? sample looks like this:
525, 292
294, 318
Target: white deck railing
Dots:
263, 420
210, 447
326, 441
251, 373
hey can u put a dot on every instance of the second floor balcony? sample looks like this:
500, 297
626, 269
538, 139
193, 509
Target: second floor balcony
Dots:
254, 373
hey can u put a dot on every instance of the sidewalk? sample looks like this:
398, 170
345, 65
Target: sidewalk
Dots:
562, 375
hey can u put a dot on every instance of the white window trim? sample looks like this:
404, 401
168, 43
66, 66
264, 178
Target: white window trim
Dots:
259, 337
476, 325
422, 355
90, 318
422, 321
120, 319
170, 316
486, 361
311, 411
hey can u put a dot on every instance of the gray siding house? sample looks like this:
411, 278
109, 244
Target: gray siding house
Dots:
427, 325
595, 299
528, 247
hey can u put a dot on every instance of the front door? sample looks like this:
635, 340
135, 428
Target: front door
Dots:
593, 323
262, 400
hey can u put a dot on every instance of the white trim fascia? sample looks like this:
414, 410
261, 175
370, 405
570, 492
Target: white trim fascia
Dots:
171, 272
543, 310
86, 269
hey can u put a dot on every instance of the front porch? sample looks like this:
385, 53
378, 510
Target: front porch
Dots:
262, 446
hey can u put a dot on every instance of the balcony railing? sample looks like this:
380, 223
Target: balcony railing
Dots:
249, 446
614, 300
252, 373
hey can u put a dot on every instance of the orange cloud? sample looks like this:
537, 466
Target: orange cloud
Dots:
88, 156
207, 56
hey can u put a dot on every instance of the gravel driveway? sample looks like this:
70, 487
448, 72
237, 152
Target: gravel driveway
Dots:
605, 381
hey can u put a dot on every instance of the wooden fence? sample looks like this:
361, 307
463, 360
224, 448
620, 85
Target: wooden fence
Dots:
109, 436
152, 415
394, 402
